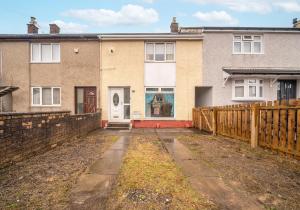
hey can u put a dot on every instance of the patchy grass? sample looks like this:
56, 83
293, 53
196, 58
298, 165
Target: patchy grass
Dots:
44, 181
272, 179
149, 179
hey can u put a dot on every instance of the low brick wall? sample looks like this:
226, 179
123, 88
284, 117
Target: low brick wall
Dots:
23, 135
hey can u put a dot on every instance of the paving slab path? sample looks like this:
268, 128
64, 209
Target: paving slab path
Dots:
207, 180
93, 186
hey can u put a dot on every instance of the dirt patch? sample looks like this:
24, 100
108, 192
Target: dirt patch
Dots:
274, 180
44, 181
149, 179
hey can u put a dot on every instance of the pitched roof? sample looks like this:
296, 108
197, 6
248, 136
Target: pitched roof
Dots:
49, 36
232, 29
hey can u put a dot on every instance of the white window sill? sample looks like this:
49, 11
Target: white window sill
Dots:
159, 118
49, 62
45, 106
248, 99
247, 53
160, 61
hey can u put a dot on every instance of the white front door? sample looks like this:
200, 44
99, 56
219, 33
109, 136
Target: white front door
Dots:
116, 104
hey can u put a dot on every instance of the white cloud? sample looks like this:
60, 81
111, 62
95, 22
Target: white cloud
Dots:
288, 6
262, 7
149, 1
128, 15
216, 17
70, 27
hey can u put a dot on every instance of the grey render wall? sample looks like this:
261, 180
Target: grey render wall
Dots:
280, 50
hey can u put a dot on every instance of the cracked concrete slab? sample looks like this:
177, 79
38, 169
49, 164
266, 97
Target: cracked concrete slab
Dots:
206, 180
94, 186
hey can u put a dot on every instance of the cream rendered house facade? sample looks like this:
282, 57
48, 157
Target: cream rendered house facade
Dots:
149, 79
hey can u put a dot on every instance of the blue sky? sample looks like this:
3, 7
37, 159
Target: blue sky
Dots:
102, 16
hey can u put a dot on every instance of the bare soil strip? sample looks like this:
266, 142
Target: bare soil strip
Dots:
272, 179
44, 181
149, 179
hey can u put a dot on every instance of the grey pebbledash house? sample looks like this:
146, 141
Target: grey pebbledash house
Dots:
246, 64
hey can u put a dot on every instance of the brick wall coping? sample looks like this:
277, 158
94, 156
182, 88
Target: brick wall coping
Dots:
33, 113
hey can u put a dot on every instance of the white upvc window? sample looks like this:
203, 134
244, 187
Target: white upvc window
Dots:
160, 102
45, 53
160, 52
247, 89
247, 44
46, 96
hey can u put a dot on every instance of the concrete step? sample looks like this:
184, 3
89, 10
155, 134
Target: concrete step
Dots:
118, 126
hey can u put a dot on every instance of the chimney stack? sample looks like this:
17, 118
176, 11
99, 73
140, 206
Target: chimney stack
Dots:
296, 23
32, 27
174, 26
54, 29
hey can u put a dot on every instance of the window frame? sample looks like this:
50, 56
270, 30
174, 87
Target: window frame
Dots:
165, 52
252, 41
160, 91
41, 95
40, 53
247, 86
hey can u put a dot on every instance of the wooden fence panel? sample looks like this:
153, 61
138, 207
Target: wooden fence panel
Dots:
275, 140
278, 124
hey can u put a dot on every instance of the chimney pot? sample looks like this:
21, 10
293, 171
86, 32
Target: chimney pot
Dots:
32, 27
174, 26
295, 20
54, 29
296, 23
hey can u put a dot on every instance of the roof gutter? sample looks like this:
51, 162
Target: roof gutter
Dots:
249, 31
151, 37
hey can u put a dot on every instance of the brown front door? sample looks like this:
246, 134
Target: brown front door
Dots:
85, 100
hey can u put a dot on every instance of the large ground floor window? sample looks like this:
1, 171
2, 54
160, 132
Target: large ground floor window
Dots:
45, 96
159, 102
247, 89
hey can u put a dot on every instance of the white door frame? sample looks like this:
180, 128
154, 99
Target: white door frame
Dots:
121, 104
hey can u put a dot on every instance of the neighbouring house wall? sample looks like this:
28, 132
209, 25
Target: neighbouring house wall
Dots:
15, 72
6, 103
75, 69
188, 77
23, 135
203, 96
123, 68
280, 50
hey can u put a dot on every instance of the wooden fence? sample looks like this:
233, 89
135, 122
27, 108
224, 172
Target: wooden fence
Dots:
274, 125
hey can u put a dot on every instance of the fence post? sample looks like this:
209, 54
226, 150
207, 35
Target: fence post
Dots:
254, 125
214, 122
200, 120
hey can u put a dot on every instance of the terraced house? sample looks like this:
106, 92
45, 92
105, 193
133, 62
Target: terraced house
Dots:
148, 79
248, 64
49, 72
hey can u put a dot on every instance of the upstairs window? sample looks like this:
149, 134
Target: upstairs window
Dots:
247, 44
45, 53
160, 52
247, 89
